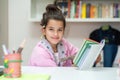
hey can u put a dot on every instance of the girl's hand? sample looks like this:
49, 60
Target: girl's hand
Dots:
98, 59
67, 58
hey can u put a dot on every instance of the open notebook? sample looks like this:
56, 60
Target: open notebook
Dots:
29, 77
88, 53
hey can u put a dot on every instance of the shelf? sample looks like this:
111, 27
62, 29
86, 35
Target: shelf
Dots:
37, 8
94, 20
85, 20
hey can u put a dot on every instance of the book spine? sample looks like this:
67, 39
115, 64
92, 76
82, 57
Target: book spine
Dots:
111, 10
106, 11
84, 10
69, 8
103, 11
115, 10
72, 12
88, 10
95, 10
77, 8
99, 10
92, 11
118, 10
80, 9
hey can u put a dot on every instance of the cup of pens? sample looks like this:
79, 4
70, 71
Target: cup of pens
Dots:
12, 62
12, 65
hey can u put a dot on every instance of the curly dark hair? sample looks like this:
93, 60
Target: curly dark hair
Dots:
52, 12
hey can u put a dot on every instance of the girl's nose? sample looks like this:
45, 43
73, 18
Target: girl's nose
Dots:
56, 33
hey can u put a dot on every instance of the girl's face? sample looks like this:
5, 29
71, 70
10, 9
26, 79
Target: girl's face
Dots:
54, 31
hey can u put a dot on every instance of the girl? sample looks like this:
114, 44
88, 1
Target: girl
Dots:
53, 48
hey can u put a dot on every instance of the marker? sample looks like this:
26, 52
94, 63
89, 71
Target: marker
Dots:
4, 49
21, 46
13, 50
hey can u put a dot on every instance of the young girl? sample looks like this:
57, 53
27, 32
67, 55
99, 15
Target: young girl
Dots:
51, 50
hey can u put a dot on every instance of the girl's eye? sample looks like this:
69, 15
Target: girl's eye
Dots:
50, 29
60, 30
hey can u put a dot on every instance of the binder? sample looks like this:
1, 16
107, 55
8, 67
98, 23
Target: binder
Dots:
88, 54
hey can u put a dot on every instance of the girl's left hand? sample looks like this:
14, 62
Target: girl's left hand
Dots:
98, 59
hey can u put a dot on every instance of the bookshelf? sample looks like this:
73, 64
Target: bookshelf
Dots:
37, 7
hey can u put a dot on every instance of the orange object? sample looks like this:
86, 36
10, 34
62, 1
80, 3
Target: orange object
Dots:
13, 69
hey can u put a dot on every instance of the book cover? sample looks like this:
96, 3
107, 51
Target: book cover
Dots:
82, 50
88, 53
91, 56
85, 53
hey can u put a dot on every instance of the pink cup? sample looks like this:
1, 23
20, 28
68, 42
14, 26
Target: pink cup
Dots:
12, 64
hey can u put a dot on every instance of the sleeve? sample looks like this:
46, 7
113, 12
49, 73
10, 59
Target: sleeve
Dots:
70, 49
40, 57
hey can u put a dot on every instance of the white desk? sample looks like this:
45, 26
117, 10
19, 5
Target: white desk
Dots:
71, 73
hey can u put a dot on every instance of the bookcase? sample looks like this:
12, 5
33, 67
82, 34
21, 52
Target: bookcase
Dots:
110, 10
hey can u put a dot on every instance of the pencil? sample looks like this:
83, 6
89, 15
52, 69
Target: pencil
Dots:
21, 46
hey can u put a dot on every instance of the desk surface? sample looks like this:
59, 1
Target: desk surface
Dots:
72, 73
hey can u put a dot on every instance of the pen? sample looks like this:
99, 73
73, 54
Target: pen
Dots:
4, 49
21, 46
13, 50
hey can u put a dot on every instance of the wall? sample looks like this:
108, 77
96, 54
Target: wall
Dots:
20, 28
3, 26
